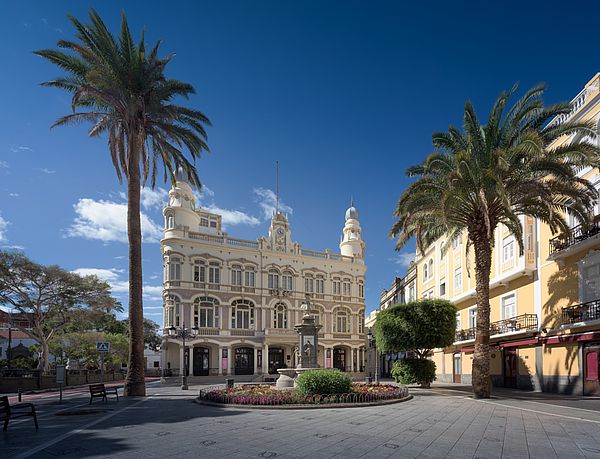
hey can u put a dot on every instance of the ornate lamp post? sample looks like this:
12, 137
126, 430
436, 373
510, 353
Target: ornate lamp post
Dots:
184, 333
373, 345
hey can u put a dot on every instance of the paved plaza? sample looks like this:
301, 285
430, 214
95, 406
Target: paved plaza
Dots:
442, 422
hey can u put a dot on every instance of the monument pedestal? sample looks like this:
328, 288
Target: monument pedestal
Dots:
286, 378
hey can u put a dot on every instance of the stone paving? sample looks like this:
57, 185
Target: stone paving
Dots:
437, 423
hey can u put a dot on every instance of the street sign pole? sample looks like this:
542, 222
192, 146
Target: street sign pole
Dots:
102, 348
102, 368
60, 379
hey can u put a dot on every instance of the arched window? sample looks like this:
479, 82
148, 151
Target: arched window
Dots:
280, 316
361, 321
236, 275
431, 267
361, 289
172, 311
309, 283
287, 281
320, 284
175, 264
206, 312
425, 272
273, 279
170, 223
337, 286
443, 251
214, 272
249, 276
242, 314
346, 287
341, 321
199, 271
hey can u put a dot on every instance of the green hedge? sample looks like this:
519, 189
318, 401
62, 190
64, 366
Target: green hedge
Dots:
323, 382
414, 371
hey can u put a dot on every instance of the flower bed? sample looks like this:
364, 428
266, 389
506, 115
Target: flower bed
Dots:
265, 395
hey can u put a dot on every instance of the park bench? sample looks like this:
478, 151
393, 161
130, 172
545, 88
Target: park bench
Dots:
20, 410
100, 390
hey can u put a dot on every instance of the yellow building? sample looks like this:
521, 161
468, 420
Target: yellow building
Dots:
545, 304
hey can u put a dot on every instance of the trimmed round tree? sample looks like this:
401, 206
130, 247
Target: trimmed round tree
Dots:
418, 328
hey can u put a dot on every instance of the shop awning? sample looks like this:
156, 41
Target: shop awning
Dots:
572, 338
523, 342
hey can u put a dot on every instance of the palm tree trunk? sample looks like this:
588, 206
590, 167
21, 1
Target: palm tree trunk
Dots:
134, 382
481, 358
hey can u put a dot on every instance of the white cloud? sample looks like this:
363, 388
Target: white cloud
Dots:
267, 201
4, 165
119, 285
13, 247
153, 198
3, 227
46, 171
403, 259
233, 217
13, 195
206, 191
19, 148
107, 221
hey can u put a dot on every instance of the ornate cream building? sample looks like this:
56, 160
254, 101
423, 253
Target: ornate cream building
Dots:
240, 299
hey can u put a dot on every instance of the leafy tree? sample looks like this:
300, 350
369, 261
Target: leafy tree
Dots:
49, 296
120, 88
81, 346
417, 327
490, 174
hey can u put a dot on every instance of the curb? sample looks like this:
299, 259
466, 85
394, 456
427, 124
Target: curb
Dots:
302, 407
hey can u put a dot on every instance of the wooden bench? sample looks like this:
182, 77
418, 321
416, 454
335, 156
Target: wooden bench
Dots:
20, 410
100, 390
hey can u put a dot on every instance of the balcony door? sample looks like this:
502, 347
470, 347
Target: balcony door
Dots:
201, 361
244, 361
591, 384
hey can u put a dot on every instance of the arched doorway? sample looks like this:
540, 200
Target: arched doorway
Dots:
201, 361
339, 358
244, 361
276, 359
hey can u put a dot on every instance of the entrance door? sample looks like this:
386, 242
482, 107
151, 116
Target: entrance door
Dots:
510, 368
457, 368
591, 385
244, 361
276, 360
339, 358
201, 361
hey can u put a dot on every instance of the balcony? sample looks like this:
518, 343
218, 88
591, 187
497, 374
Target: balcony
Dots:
578, 235
524, 322
583, 312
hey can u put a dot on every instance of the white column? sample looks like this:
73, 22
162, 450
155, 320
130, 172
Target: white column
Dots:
352, 360
255, 360
265, 361
181, 360
229, 360
220, 360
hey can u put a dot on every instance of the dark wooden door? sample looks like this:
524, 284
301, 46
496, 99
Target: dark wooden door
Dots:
244, 361
457, 369
201, 361
276, 360
591, 384
339, 359
510, 368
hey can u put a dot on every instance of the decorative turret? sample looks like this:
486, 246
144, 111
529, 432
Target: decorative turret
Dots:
181, 194
351, 244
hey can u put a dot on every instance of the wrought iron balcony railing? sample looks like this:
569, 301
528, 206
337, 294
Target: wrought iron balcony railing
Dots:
578, 233
518, 323
581, 312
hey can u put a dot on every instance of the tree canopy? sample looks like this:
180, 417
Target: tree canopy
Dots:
418, 327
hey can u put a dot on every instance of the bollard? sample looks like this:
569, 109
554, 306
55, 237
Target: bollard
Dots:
19, 393
368, 380
229, 383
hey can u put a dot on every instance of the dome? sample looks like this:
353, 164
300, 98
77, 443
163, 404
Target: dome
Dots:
352, 213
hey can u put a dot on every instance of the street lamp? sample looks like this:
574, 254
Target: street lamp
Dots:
183, 333
373, 345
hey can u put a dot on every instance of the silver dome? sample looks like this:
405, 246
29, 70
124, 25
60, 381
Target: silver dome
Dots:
352, 213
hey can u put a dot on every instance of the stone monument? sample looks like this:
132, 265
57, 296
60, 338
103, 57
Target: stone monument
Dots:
308, 345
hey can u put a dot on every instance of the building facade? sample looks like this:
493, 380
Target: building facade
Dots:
402, 291
240, 299
545, 304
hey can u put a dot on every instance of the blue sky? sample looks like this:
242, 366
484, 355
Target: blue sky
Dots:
344, 94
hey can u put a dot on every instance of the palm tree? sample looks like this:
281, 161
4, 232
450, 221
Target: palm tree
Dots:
486, 175
121, 89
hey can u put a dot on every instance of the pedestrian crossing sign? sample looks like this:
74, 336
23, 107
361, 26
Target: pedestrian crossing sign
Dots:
103, 346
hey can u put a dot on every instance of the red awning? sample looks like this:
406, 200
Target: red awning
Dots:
467, 349
571, 338
523, 342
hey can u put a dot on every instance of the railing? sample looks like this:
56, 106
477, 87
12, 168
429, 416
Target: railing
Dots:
578, 234
280, 332
242, 243
239, 332
576, 104
206, 237
518, 323
208, 331
581, 312
313, 253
